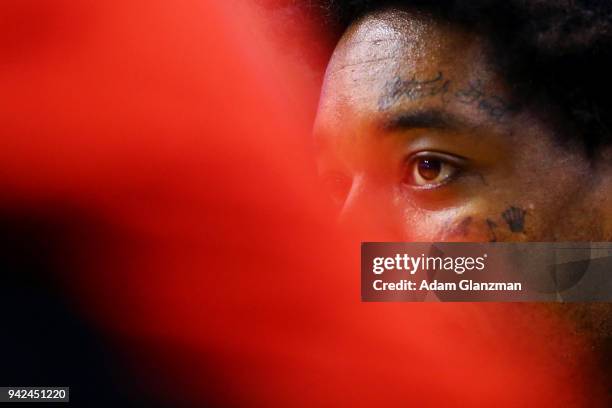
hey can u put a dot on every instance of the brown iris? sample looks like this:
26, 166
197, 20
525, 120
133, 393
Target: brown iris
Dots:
429, 169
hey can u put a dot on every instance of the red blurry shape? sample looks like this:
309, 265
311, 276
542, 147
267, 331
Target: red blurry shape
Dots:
180, 131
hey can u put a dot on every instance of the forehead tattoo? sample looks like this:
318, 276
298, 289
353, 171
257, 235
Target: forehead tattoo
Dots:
414, 88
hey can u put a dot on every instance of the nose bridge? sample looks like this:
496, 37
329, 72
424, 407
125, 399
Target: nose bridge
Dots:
369, 209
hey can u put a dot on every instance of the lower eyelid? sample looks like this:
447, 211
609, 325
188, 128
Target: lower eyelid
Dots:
439, 184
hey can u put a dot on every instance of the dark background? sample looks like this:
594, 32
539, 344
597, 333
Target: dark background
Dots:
44, 339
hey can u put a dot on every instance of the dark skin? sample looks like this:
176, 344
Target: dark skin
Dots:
418, 134
421, 139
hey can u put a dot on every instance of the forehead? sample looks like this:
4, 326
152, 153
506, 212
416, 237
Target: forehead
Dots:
397, 39
393, 44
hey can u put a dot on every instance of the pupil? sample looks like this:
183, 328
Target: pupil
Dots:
429, 169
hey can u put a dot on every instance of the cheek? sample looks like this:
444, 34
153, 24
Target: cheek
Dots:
565, 220
475, 223
451, 225
507, 224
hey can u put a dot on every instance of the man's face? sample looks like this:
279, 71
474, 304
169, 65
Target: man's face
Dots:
420, 139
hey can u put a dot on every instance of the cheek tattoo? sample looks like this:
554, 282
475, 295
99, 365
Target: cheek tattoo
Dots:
515, 218
460, 229
491, 225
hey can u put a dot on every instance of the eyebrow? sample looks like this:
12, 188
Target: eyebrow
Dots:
429, 118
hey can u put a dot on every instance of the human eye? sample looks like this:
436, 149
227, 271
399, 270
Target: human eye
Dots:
430, 170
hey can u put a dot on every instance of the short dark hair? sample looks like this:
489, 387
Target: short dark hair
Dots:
555, 52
